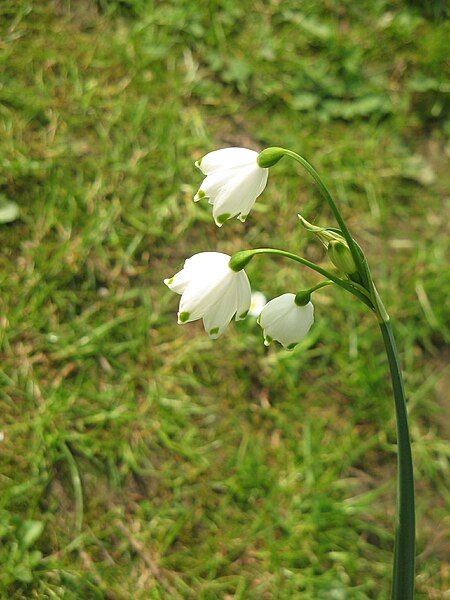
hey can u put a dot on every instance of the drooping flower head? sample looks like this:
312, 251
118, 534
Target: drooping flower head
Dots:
212, 291
283, 320
233, 182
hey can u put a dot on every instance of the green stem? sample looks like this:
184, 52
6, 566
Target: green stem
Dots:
240, 259
304, 296
326, 194
320, 285
404, 553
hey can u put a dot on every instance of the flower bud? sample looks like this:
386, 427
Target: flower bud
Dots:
340, 255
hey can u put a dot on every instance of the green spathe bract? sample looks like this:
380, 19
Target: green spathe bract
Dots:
341, 257
324, 234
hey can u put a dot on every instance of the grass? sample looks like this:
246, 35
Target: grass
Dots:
138, 458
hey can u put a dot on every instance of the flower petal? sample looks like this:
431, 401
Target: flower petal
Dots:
285, 321
211, 290
178, 282
227, 158
275, 309
244, 294
206, 263
201, 294
239, 194
257, 303
210, 275
219, 314
295, 326
213, 184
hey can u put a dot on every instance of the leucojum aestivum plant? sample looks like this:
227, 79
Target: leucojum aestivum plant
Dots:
215, 287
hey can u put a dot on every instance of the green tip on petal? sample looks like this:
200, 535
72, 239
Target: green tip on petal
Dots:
292, 346
222, 218
214, 331
198, 163
267, 340
244, 314
199, 195
242, 218
183, 317
168, 281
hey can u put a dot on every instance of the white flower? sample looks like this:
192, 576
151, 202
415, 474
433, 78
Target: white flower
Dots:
233, 182
211, 291
286, 322
257, 303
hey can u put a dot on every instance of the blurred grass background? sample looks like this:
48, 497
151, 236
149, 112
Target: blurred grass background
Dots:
138, 459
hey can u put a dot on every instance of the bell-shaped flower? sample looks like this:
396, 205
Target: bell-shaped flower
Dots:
257, 303
212, 291
283, 320
233, 182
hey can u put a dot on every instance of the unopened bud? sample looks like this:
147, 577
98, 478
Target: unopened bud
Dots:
340, 255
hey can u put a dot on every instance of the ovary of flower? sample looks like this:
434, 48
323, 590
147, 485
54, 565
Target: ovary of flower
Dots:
211, 291
233, 182
286, 322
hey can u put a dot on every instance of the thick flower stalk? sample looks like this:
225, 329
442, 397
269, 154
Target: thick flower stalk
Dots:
215, 287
